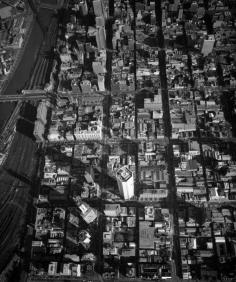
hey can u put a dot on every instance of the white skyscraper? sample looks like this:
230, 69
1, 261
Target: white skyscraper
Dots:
208, 45
125, 182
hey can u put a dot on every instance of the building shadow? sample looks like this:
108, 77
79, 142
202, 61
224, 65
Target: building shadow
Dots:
128, 146
228, 101
109, 36
141, 95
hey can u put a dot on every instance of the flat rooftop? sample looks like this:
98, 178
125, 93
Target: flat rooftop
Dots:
124, 174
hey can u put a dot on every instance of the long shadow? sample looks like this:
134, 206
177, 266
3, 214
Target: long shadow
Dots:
28, 111
25, 127
56, 154
141, 95
228, 103
21, 177
25, 123
109, 36
106, 109
129, 146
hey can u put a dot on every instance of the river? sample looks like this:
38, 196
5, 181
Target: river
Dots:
26, 65
22, 159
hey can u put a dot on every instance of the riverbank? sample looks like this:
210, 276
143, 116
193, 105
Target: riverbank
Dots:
25, 65
21, 161
29, 19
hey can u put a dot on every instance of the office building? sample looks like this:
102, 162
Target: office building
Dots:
208, 45
125, 182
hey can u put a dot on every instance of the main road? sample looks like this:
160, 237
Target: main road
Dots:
172, 197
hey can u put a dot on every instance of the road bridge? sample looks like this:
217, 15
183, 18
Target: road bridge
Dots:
14, 98
27, 95
40, 94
